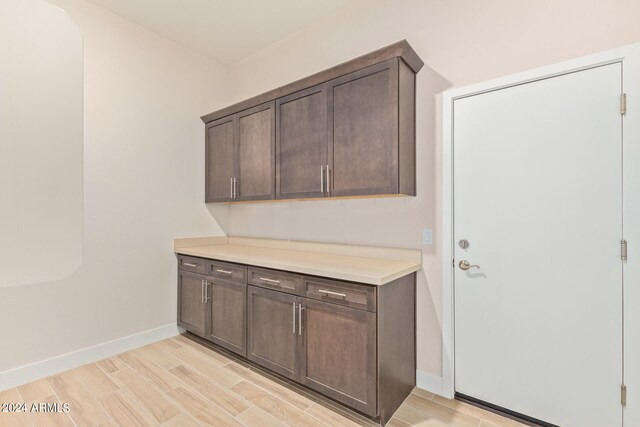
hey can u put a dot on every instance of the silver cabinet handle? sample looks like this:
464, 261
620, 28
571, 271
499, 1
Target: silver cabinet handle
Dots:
231, 191
189, 264
321, 178
235, 188
332, 294
206, 291
224, 271
328, 180
270, 281
465, 265
294, 318
300, 308
202, 291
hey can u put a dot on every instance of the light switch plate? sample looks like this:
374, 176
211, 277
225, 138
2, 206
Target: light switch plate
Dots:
427, 236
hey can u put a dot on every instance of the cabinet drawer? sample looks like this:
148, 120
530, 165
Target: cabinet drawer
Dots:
275, 279
195, 265
338, 292
224, 270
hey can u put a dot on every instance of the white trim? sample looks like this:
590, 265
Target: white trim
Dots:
631, 223
448, 98
429, 382
448, 385
34, 371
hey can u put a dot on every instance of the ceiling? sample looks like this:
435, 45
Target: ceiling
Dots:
224, 30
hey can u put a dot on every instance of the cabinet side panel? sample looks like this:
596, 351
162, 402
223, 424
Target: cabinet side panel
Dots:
407, 130
396, 344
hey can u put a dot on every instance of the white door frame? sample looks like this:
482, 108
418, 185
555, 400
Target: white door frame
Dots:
630, 58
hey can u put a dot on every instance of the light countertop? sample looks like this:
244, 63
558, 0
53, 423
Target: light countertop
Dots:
364, 264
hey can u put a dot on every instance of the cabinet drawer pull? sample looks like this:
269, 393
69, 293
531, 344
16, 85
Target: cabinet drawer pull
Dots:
189, 264
332, 294
224, 271
322, 179
270, 281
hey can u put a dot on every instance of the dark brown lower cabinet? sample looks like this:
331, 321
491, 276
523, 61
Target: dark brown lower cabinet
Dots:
226, 314
327, 347
211, 307
352, 342
338, 353
272, 340
191, 303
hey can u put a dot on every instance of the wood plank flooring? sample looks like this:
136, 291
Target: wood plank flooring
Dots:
180, 383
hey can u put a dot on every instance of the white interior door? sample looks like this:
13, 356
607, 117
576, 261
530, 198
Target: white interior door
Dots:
538, 196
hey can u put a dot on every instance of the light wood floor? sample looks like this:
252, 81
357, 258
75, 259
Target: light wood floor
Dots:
180, 383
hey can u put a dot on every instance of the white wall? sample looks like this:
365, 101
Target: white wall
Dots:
143, 187
39, 165
461, 42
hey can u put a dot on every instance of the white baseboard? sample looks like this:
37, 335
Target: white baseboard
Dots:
429, 382
44, 368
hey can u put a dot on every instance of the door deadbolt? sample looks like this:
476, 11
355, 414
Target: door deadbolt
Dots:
464, 243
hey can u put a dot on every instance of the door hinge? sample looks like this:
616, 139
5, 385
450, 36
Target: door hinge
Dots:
623, 395
623, 104
623, 250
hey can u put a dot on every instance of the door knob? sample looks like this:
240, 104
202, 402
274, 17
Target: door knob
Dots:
464, 265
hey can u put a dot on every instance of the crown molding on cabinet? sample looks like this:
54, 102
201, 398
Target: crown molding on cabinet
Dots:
401, 49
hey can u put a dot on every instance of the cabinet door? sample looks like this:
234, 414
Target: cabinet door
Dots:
272, 337
255, 153
226, 314
338, 353
301, 144
220, 159
191, 302
363, 127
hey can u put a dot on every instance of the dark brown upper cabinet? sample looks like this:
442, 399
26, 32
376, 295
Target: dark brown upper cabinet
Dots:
371, 131
302, 152
348, 131
240, 156
220, 160
256, 154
